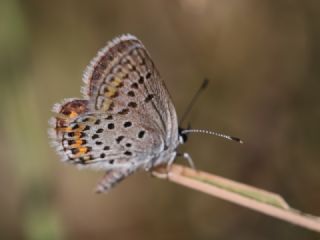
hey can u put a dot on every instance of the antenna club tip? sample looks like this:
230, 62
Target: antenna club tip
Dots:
237, 140
205, 83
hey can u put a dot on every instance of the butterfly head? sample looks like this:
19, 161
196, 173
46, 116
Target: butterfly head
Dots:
183, 137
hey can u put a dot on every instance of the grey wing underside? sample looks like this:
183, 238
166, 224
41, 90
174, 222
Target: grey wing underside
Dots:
122, 82
124, 68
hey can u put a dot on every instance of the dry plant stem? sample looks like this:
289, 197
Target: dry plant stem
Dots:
256, 199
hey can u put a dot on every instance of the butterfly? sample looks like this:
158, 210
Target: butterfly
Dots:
126, 120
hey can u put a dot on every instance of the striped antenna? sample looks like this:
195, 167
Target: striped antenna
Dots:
193, 100
186, 131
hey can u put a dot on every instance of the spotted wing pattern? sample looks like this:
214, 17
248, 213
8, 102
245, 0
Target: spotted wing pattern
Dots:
123, 75
126, 120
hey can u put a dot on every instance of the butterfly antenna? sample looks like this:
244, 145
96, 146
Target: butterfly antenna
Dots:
186, 131
193, 100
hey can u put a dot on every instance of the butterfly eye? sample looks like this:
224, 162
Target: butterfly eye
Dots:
182, 136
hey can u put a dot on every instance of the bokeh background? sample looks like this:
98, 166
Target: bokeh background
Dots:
263, 60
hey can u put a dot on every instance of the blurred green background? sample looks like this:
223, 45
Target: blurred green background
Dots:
263, 60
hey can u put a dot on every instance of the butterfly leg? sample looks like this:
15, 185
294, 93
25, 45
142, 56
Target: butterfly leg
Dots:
187, 157
164, 175
112, 178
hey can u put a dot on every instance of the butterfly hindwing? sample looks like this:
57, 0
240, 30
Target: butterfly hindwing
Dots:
102, 141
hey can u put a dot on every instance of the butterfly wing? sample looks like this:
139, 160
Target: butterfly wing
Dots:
122, 77
127, 119
100, 140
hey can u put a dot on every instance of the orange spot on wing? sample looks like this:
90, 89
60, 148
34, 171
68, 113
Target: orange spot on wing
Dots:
63, 129
73, 114
116, 82
79, 142
83, 150
77, 134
